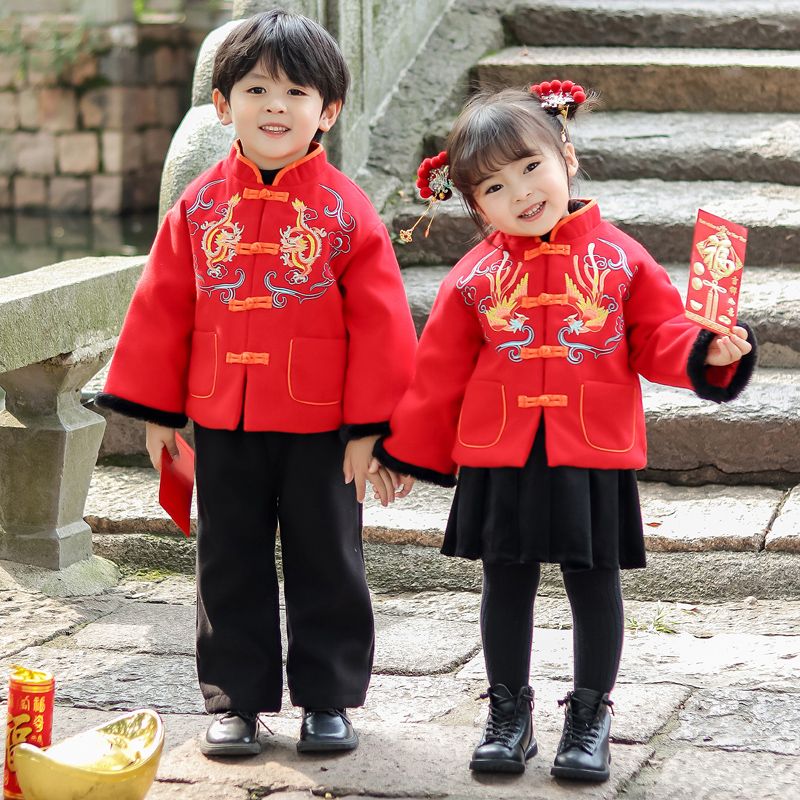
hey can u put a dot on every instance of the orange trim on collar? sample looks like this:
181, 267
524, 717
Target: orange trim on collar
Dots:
564, 220
245, 160
316, 149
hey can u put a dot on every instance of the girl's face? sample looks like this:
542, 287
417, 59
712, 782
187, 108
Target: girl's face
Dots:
529, 196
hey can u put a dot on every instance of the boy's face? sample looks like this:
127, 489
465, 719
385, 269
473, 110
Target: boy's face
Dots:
529, 196
275, 119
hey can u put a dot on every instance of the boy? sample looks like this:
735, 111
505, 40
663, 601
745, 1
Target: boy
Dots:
272, 313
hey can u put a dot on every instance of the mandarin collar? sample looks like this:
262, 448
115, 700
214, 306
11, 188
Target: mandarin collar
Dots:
303, 170
573, 226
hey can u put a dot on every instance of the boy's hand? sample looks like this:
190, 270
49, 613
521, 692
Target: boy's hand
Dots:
725, 350
156, 437
359, 465
403, 484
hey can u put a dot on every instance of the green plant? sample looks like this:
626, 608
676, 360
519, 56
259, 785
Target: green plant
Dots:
660, 623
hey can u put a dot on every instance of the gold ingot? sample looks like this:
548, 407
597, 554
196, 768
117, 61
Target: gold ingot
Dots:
115, 761
724, 318
699, 269
697, 284
695, 306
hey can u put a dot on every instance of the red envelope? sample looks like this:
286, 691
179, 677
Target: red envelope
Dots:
715, 274
177, 482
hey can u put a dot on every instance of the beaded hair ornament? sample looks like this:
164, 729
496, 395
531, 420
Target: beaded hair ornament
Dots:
560, 99
435, 186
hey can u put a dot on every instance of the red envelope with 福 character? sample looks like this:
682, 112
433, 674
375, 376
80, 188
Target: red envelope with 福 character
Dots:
715, 274
177, 482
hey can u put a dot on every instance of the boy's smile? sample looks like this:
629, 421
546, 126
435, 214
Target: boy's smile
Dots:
275, 118
529, 196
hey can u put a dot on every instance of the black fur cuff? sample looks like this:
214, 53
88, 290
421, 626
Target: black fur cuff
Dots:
128, 408
429, 475
697, 367
349, 432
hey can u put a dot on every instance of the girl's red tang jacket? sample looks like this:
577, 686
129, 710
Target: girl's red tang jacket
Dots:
525, 330
279, 306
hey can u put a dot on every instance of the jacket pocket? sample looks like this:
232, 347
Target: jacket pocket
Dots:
203, 364
608, 415
316, 371
483, 414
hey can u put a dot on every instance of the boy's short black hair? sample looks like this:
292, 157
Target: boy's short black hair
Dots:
283, 42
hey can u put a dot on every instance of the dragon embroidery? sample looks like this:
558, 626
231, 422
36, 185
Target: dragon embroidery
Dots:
301, 244
220, 239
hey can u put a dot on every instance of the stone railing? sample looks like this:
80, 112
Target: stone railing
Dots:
58, 327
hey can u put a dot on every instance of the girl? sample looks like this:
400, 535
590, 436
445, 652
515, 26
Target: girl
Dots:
527, 384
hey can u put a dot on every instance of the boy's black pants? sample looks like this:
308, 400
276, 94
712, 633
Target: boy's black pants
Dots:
248, 483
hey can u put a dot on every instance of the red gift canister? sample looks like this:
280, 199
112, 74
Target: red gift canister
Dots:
31, 695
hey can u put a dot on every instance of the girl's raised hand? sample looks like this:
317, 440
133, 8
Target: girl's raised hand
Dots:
727, 349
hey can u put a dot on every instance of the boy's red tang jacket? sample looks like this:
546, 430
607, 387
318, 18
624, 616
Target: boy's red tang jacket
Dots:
525, 330
279, 306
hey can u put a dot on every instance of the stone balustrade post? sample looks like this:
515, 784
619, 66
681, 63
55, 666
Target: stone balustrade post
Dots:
48, 447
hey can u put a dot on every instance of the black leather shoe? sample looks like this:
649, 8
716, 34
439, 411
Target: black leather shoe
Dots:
234, 733
583, 752
507, 741
326, 729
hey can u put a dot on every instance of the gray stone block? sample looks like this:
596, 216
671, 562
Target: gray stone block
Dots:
650, 23
742, 721
680, 145
656, 79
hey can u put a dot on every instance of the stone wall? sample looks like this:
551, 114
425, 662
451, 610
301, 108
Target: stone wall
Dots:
87, 112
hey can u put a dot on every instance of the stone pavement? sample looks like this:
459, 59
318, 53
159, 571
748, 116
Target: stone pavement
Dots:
709, 710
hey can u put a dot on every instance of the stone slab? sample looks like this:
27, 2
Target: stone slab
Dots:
684, 146
651, 23
157, 629
744, 721
770, 211
666, 78
110, 680
719, 775
680, 518
404, 646
29, 619
755, 439
421, 645
732, 660
382, 766
785, 531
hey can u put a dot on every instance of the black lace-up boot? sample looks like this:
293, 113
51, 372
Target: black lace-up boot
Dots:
508, 740
583, 752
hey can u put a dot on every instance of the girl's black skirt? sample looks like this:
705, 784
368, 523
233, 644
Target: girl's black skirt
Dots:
576, 517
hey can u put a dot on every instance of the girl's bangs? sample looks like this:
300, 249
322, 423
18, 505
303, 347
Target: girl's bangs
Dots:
499, 137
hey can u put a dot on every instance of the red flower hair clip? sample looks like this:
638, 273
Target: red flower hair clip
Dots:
435, 186
559, 99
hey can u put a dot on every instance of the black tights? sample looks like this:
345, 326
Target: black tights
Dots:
595, 596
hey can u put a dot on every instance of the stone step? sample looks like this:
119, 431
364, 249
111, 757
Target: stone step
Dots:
659, 214
754, 440
751, 24
629, 145
657, 79
710, 542
770, 303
